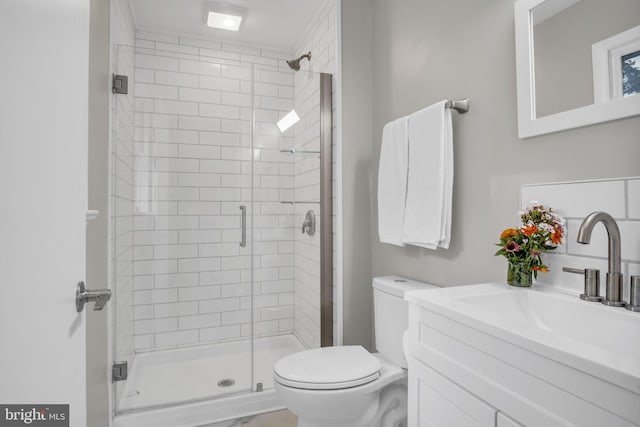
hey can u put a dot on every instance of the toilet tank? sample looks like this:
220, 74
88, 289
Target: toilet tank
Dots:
391, 314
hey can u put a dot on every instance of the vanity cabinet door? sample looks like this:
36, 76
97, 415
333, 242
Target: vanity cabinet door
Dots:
436, 401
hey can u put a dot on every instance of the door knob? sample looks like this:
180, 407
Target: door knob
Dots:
84, 295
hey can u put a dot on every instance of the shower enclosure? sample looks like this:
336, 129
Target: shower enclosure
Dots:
220, 223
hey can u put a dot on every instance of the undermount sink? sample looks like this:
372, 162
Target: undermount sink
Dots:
599, 340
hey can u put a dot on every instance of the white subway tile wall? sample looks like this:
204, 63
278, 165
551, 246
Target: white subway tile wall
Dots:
194, 167
121, 251
575, 200
320, 39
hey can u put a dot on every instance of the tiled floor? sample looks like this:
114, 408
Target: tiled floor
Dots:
282, 418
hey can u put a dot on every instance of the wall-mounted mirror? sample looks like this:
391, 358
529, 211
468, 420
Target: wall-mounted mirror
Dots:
578, 63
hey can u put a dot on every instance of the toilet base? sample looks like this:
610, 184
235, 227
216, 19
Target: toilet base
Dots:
386, 408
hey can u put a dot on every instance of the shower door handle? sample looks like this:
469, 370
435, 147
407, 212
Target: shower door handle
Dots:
243, 242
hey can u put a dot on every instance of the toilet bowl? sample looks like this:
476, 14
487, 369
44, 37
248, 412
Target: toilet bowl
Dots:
338, 386
346, 386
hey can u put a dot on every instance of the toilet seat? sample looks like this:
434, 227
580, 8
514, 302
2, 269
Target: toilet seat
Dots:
328, 368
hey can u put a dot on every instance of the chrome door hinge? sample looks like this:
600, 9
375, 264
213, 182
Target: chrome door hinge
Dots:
119, 371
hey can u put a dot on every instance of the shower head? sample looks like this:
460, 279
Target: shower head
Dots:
294, 64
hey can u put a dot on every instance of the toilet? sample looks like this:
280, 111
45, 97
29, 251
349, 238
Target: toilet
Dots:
346, 386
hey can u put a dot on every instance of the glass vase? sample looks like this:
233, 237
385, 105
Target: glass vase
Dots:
519, 274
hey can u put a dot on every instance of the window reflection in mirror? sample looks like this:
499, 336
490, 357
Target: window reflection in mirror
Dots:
585, 51
631, 73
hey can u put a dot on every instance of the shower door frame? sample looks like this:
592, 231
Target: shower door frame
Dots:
326, 211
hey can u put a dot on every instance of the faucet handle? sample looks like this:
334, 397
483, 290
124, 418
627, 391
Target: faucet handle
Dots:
634, 297
591, 282
573, 270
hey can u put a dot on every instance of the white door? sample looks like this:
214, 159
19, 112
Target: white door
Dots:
43, 201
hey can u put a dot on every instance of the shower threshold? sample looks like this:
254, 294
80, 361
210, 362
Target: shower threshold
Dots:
180, 387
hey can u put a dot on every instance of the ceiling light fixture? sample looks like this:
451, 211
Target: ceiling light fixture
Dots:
289, 120
225, 16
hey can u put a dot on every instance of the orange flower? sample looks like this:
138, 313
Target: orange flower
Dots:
556, 236
509, 232
542, 269
529, 230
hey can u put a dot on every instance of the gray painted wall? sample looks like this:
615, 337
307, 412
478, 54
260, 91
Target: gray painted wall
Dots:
356, 171
97, 231
428, 50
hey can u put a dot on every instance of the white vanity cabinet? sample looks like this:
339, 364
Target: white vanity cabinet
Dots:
436, 401
464, 372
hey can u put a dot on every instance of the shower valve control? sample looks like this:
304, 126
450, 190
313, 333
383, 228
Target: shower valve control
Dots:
309, 224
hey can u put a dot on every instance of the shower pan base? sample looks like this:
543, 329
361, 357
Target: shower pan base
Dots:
179, 387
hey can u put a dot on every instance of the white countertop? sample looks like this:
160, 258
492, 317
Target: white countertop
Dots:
594, 338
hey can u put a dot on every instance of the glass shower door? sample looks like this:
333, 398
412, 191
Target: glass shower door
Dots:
182, 260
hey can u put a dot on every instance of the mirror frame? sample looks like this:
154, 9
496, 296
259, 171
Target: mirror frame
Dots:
528, 124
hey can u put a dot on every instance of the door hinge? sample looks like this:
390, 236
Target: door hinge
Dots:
120, 84
119, 371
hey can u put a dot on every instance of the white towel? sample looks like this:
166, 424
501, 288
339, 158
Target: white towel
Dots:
427, 219
392, 181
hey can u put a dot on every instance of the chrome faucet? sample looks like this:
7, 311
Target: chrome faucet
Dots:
614, 276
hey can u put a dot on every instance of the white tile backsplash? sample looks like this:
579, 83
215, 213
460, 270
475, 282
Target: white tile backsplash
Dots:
585, 197
199, 123
219, 83
633, 198
175, 47
173, 339
175, 107
575, 200
157, 62
175, 309
630, 230
148, 90
177, 280
199, 95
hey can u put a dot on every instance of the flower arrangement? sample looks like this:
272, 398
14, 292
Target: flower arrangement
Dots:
541, 231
